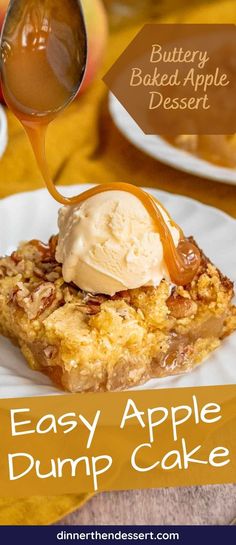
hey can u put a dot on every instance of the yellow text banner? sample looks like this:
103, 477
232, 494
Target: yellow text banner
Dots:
114, 441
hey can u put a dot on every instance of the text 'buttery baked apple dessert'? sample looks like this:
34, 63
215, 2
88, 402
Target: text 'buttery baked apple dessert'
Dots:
118, 297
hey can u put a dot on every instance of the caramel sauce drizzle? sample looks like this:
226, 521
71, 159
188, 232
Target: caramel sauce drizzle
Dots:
38, 83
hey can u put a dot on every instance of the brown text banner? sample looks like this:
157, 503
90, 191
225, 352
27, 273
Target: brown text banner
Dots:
178, 79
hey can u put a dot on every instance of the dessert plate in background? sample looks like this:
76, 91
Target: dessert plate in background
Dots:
160, 149
34, 215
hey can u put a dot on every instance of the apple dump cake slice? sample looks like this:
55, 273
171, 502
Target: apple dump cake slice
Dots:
96, 342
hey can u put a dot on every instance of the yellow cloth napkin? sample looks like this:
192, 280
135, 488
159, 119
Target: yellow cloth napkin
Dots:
38, 511
85, 146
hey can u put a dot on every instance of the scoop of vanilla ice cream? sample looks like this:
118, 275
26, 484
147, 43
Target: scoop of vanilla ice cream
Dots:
108, 243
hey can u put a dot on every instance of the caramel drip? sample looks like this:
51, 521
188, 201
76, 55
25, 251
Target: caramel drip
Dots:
182, 262
43, 54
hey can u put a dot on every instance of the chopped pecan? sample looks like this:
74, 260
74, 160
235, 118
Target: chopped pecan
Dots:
43, 249
19, 292
37, 301
50, 271
180, 307
91, 299
22, 291
122, 295
8, 267
38, 272
16, 257
85, 302
91, 303
89, 309
52, 276
53, 242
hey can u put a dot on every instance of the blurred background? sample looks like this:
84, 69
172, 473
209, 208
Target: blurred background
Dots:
120, 12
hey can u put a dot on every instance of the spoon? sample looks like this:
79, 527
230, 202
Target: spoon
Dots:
43, 58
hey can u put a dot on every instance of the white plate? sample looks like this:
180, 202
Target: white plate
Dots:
3, 131
157, 147
34, 215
